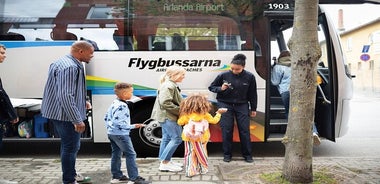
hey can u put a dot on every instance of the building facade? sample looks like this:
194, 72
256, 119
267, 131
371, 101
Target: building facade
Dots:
362, 49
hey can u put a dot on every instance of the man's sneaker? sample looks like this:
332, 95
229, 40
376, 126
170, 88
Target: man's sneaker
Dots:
169, 167
316, 140
81, 179
123, 179
179, 164
140, 180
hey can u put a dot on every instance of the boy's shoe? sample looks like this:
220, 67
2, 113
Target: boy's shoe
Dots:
316, 140
140, 180
81, 179
123, 179
169, 167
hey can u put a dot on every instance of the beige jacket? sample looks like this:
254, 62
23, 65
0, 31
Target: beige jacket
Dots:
167, 102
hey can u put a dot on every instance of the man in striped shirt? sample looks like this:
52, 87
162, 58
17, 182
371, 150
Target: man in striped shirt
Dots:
64, 102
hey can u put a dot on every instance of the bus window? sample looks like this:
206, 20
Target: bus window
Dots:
158, 43
12, 36
202, 43
229, 42
60, 33
178, 42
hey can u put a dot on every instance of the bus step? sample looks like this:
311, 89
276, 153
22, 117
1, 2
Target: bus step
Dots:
277, 107
275, 137
278, 122
276, 100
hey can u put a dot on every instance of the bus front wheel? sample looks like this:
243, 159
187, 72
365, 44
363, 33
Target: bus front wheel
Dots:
151, 134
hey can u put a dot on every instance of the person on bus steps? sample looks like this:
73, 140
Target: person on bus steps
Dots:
166, 111
7, 112
118, 125
64, 103
236, 90
280, 77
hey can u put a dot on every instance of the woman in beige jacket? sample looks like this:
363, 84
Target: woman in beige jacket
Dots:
166, 111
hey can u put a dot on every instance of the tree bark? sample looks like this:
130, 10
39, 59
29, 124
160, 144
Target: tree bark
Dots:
305, 52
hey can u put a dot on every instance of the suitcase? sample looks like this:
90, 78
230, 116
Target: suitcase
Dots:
41, 126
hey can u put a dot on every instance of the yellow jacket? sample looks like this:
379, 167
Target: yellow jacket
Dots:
184, 119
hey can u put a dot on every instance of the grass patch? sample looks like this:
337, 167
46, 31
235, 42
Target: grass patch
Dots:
274, 178
319, 177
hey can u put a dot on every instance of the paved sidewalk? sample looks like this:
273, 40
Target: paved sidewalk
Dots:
48, 171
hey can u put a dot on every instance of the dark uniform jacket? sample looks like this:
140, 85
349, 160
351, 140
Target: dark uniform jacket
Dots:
7, 112
243, 88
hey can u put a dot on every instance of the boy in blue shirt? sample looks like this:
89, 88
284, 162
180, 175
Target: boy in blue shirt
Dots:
118, 124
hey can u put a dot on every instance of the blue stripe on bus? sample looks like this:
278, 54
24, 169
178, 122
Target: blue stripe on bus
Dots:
103, 91
20, 44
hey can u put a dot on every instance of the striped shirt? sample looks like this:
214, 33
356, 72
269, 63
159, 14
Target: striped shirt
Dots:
64, 96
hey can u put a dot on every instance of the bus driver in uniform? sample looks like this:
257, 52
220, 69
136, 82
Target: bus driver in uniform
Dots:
237, 91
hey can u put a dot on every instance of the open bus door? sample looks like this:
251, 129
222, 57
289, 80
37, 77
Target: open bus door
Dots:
332, 74
327, 94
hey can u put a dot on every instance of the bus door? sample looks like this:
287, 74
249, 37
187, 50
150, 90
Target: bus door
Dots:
327, 89
325, 110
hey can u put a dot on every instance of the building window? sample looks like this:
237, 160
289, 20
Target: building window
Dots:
374, 40
349, 44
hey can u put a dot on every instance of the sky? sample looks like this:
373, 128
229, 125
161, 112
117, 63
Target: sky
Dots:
353, 15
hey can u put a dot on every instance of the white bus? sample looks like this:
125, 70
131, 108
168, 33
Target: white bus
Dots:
137, 40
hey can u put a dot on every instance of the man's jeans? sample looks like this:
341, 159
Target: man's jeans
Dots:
285, 96
171, 139
70, 144
122, 144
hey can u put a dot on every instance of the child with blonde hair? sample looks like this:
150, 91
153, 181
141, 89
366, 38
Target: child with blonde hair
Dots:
195, 116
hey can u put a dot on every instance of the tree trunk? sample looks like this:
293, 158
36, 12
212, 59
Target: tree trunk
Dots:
305, 52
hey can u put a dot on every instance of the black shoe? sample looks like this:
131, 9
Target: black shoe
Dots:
140, 180
227, 159
248, 160
122, 179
